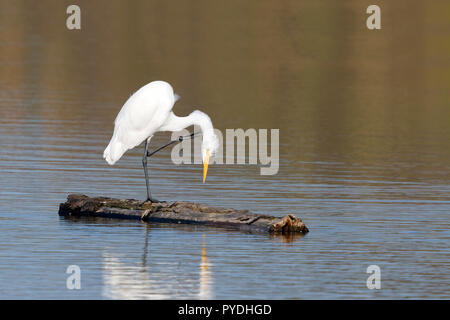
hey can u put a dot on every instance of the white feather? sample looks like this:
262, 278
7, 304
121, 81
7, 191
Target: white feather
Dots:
146, 112
140, 117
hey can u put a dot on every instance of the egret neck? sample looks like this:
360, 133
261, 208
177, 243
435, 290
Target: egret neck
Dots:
210, 142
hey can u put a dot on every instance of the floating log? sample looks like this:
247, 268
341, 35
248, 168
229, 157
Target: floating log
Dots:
179, 212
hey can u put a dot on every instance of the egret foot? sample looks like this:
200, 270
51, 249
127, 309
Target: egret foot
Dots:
152, 200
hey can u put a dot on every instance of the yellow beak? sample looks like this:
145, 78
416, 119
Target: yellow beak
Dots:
205, 165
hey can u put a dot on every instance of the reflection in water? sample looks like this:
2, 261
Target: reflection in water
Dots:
205, 276
127, 280
122, 281
286, 238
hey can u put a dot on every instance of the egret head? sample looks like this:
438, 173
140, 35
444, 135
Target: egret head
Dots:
210, 145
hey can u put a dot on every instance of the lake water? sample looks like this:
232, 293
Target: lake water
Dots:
364, 148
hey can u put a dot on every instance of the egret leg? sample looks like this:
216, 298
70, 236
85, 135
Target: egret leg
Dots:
144, 163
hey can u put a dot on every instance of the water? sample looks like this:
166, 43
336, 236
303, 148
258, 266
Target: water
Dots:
364, 148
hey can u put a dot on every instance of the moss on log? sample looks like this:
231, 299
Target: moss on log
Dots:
179, 212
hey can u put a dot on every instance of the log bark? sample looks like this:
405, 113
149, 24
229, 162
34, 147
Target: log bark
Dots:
179, 212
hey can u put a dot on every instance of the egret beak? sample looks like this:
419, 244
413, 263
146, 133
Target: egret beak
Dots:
205, 165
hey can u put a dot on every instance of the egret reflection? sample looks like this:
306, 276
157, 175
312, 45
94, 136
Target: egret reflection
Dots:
125, 278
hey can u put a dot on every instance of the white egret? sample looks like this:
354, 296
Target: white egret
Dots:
147, 111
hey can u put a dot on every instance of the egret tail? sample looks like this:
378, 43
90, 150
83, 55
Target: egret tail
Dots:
114, 151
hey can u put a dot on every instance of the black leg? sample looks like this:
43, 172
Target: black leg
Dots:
144, 163
149, 154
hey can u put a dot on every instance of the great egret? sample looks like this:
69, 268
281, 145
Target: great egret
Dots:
147, 111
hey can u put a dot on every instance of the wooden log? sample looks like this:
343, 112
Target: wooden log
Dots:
179, 212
